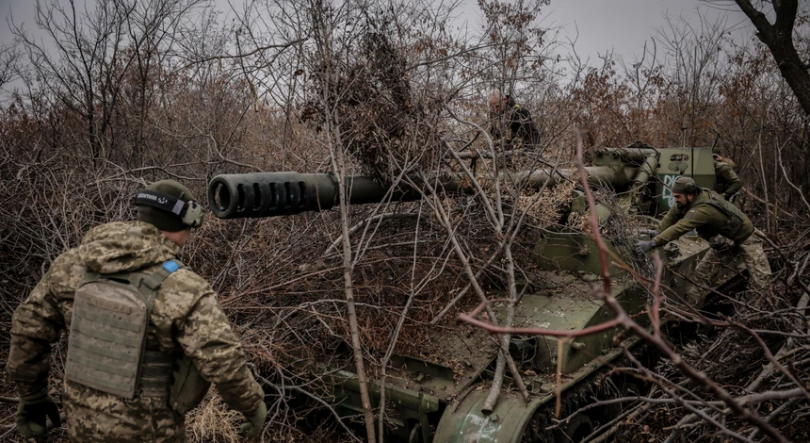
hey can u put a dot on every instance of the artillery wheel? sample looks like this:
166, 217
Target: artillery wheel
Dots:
600, 385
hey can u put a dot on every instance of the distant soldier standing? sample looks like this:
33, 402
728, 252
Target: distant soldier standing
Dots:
727, 183
146, 337
709, 214
505, 115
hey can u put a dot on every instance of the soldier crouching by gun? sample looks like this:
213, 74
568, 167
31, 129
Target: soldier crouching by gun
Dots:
710, 215
146, 334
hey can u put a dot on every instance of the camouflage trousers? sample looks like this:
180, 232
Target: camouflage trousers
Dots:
96, 417
755, 261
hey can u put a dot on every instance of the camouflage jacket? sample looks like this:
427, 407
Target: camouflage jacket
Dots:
186, 318
727, 182
702, 217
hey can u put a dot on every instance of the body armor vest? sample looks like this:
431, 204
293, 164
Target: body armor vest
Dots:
106, 346
734, 218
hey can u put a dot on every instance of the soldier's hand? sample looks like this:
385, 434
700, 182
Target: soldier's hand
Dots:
650, 232
255, 421
31, 412
643, 247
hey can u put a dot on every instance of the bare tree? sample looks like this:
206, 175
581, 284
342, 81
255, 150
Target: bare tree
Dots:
9, 56
85, 65
778, 36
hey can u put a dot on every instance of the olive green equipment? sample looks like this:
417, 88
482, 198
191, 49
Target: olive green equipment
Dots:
107, 342
254, 423
437, 395
188, 386
32, 411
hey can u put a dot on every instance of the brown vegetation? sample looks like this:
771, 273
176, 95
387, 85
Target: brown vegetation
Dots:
140, 91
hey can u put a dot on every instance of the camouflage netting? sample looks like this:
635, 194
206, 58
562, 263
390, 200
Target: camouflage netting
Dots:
382, 124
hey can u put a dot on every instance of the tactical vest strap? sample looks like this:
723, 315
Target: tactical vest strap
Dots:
156, 279
156, 367
156, 374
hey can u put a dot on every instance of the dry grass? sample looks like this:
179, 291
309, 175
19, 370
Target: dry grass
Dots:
213, 422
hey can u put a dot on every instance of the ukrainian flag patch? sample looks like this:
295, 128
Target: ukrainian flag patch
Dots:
171, 266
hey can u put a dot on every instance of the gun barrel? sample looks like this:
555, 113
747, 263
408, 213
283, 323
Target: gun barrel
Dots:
271, 194
598, 176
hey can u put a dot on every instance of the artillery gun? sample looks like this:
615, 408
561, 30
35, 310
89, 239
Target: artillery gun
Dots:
440, 399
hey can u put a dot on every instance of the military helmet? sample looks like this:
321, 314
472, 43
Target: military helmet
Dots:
169, 206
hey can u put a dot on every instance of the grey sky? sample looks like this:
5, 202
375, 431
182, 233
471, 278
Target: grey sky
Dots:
624, 25
602, 25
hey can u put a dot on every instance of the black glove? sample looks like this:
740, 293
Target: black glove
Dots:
255, 421
650, 232
31, 413
643, 247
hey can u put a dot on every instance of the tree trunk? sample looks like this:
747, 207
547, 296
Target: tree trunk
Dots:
791, 67
779, 39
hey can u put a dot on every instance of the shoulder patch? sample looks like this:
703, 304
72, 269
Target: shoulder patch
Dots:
690, 214
171, 266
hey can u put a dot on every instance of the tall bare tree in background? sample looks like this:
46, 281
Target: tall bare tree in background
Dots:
8, 60
91, 54
778, 36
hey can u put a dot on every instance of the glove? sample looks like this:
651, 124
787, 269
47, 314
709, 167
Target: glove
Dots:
255, 421
31, 412
650, 232
643, 247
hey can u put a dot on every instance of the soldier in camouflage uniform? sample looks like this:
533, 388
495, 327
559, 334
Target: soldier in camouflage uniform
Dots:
727, 182
184, 324
710, 215
505, 115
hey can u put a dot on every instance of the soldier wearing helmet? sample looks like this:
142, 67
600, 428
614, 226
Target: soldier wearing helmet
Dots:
146, 334
706, 212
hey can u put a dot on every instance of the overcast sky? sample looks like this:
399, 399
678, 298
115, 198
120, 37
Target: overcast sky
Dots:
624, 25
599, 25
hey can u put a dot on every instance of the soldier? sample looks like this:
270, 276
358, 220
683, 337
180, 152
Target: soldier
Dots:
146, 334
505, 113
727, 183
710, 215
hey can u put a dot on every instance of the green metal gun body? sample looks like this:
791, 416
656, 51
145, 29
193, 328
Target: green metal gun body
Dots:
436, 396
